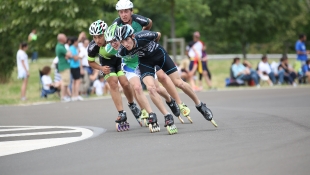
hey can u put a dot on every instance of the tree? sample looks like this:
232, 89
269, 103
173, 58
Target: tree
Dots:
248, 21
49, 18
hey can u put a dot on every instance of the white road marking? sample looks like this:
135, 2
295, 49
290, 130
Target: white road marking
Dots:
19, 146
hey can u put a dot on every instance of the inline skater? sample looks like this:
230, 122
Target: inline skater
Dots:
144, 45
113, 64
139, 23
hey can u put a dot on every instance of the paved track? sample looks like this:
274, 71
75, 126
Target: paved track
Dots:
265, 131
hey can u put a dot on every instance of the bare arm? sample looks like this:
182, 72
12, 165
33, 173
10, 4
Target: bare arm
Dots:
149, 26
158, 37
94, 65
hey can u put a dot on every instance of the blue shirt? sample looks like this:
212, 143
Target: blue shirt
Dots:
74, 52
300, 46
305, 68
236, 68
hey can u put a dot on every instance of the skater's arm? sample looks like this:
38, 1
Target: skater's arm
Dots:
149, 26
158, 36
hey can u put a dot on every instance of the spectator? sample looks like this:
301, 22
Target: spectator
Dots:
289, 73
306, 70
85, 81
183, 69
194, 52
48, 86
265, 71
279, 74
300, 48
82, 37
23, 68
244, 73
63, 65
32, 39
57, 76
100, 86
205, 71
76, 69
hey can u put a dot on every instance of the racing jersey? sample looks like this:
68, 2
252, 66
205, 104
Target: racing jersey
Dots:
94, 50
145, 47
138, 22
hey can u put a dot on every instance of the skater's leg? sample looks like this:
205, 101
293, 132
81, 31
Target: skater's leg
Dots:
114, 91
140, 96
126, 88
149, 81
178, 82
169, 87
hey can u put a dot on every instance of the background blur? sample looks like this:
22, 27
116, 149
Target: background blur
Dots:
226, 26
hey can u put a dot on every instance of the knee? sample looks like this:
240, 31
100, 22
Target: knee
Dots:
124, 84
137, 89
162, 77
151, 89
179, 84
113, 85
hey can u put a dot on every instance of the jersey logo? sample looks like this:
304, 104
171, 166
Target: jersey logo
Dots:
141, 19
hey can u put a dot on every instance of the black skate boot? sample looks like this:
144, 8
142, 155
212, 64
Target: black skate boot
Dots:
169, 123
136, 112
152, 121
174, 107
121, 122
206, 112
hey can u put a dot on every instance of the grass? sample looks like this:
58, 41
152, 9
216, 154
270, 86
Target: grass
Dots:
10, 92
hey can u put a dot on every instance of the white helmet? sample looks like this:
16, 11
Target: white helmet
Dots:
97, 28
124, 4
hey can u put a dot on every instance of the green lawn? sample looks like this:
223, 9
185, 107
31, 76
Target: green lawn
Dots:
10, 92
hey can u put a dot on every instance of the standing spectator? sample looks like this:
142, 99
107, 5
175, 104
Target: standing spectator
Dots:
301, 50
82, 37
32, 39
306, 70
206, 74
76, 69
85, 81
23, 68
264, 69
289, 73
244, 73
194, 49
63, 65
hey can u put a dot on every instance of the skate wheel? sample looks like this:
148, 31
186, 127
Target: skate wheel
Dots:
145, 123
127, 126
189, 119
181, 120
213, 122
151, 128
118, 127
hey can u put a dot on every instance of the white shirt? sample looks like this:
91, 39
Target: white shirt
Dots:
264, 67
98, 85
46, 81
84, 55
196, 49
22, 56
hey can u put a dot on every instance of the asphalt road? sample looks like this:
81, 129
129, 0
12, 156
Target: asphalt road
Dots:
261, 131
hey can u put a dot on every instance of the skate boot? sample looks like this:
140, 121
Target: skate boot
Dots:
136, 112
185, 112
169, 123
144, 117
121, 122
153, 125
175, 109
207, 113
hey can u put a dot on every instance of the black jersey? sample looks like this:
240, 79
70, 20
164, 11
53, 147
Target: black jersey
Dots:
145, 46
138, 22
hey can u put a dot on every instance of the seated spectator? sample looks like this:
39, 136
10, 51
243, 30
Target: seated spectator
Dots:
265, 72
48, 86
183, 69
244, 73
306, 70
279, 74
100, 86
289, 73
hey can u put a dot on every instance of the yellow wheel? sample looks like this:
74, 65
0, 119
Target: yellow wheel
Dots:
145, 123
169, 130
213, 122
181, 120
